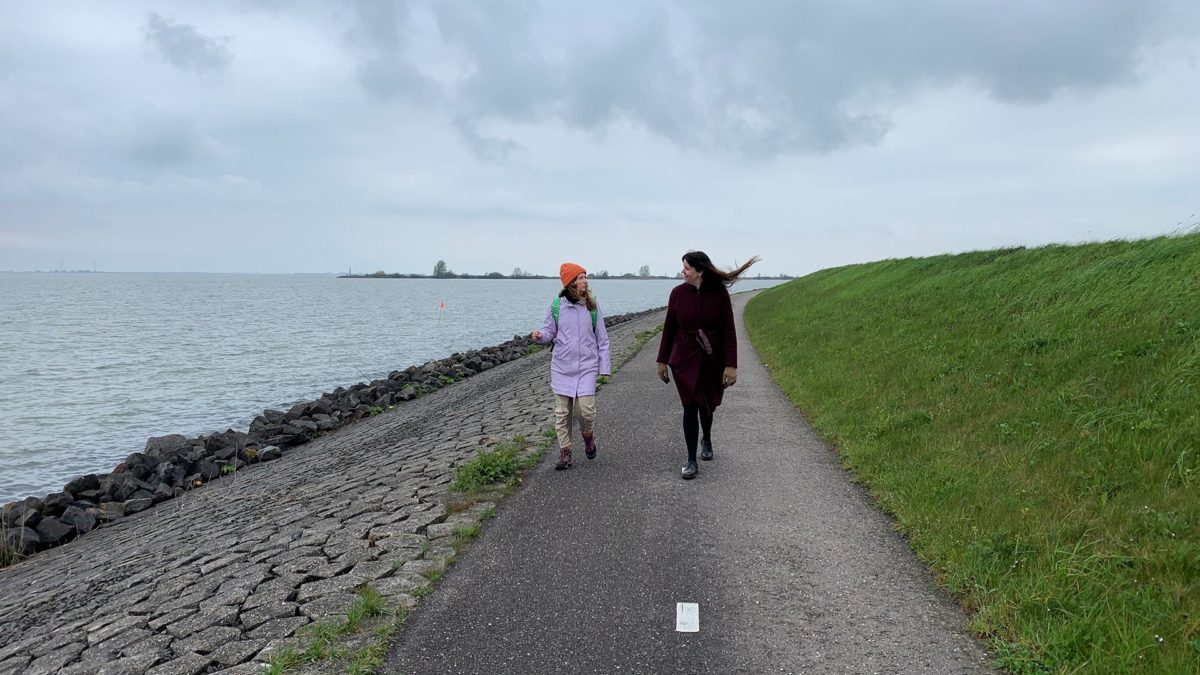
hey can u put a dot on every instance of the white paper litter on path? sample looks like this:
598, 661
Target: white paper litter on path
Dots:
687, 617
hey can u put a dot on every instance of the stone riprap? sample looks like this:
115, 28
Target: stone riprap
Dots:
220, 578
171, 465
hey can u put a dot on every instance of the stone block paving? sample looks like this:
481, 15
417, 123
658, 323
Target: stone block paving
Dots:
221, 578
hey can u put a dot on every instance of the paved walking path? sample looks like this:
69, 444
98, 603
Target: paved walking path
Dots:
220, 579
791, 566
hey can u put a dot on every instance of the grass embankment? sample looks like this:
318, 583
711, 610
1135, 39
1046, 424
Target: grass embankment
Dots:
1032, 420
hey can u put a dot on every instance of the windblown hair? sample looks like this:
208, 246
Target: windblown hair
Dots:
699, 260
569, 293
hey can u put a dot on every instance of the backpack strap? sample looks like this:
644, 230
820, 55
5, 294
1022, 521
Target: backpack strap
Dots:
554, 311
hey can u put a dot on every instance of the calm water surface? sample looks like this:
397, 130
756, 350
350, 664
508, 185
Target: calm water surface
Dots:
91, 365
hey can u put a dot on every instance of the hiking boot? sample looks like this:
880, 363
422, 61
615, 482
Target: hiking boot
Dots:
689, 471
564, 459
589, 445
706, 450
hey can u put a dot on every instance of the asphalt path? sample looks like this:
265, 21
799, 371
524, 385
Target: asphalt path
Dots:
792, 567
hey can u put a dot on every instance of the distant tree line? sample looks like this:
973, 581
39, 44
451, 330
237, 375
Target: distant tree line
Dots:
442, 271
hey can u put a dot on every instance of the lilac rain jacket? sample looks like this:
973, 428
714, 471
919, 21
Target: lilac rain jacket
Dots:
580, 354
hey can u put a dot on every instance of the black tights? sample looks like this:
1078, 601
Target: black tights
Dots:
693, 419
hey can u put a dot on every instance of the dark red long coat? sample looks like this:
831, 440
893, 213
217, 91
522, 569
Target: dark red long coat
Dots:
698, 375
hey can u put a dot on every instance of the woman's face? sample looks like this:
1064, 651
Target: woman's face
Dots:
691, 275
580, 284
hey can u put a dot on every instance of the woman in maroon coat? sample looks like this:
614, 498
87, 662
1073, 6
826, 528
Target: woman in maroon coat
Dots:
699, 344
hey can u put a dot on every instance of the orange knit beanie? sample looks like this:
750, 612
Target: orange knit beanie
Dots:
569, 271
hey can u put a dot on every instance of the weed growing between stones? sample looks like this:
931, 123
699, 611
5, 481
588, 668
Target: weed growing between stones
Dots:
325, 639
643, 337
9, 554
499, 466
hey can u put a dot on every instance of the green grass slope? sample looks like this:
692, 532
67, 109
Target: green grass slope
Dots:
1031, 418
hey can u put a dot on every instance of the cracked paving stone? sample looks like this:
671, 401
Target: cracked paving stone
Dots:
327, 586
190, 664
447, 529
292, 554
401, 583
374, 569
167, 619
224, 561
97, 636
20, 647
279, 628
47, 644
53, 663
402, 601
218, 616
234, 597
397, 536
233, 653
302, 565
207, 641
90, 661
119, 642
14, 664
257, 617
157, 646
264, 555
329, 569
358, 555
129, 665
125, 600
266, 597
447, 553
326, 606
249, 668
189, 601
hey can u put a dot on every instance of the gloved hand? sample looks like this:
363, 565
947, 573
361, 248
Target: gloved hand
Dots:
729, 378
662, 373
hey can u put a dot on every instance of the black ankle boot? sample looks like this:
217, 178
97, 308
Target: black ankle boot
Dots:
689, 470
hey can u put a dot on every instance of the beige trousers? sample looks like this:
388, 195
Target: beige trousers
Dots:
565, 409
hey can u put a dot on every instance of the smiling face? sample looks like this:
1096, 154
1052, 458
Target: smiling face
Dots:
692, 275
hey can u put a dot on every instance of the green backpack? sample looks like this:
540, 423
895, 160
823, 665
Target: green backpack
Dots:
554, 311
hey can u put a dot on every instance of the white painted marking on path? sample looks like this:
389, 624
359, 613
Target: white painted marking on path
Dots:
687, 617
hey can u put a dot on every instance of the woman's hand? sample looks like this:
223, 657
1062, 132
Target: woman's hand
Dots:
729, 378
536, 335
662, 373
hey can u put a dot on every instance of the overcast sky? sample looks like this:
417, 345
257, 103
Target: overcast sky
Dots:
294, 136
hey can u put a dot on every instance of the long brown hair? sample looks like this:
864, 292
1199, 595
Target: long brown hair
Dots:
699, 261
569, 293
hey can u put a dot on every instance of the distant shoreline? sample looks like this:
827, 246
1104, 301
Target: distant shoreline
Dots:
496, 275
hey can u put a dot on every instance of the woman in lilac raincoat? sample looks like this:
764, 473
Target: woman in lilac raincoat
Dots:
575, 327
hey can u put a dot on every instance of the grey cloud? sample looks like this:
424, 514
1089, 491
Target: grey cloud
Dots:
379, 32
637, 79
184, 47
165, 144
485, 147
821, 76
388, 77
769, 77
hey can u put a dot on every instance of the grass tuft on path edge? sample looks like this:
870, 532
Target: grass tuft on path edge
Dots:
1031, 418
